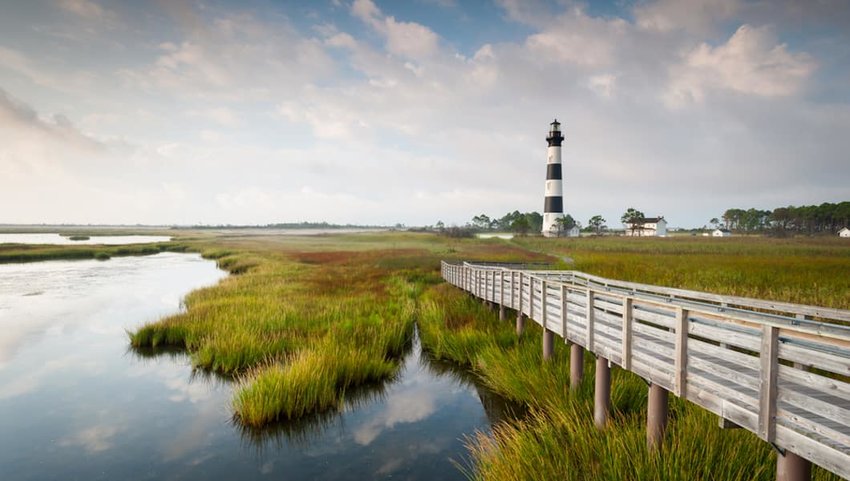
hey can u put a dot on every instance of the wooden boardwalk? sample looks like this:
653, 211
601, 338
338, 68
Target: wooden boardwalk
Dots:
779, 370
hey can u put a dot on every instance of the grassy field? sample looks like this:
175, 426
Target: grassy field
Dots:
800, 270
305, 322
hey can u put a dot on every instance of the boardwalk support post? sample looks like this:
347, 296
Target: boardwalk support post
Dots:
602, 392
656, 416
576, 365
502, 313
548, 344
790, 467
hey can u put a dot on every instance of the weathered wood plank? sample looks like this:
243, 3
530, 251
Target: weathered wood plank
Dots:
681, 351
826, 385
626, 334
810, 357
767, 384
589, 316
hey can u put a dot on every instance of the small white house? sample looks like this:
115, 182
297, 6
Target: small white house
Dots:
649, 227
721, 233
845, 232
573, 231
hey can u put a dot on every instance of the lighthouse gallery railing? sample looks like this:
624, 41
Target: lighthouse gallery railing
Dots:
779, 370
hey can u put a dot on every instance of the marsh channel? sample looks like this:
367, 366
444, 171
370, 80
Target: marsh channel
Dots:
77, 403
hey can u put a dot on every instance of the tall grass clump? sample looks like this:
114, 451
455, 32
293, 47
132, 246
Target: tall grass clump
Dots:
312, 381
19, 253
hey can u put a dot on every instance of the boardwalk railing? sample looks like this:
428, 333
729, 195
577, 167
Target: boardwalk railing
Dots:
779, 370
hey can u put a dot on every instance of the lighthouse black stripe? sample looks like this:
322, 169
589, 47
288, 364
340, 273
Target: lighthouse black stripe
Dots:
553, 172
554, 204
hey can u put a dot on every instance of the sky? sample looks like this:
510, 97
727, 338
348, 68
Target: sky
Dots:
418, 111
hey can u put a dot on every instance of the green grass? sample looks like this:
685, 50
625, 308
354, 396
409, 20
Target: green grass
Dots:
802, 270
18, 253
302, 323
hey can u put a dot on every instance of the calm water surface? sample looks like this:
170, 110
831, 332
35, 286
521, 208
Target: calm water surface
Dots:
76, 404
56, 239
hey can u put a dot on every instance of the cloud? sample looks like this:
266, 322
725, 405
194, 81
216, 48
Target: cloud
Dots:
750, 62
407, 39
93, 439
410, 405
27, 137
578, 39
698, 16
86, 9
234, 58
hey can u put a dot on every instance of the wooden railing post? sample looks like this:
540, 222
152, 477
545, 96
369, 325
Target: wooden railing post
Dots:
520, 317
767, 383
548, 335
589, 315
564, 318
502, 307
681, 354
627, 334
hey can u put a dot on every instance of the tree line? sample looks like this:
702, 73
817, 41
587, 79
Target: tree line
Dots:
825, 218
521, 223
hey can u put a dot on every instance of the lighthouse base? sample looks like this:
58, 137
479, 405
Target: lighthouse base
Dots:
550, 224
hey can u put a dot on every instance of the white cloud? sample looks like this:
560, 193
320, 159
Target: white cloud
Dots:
750, 62
408, 39
603, 84
578, 39
93, 439
697, 16
86, 9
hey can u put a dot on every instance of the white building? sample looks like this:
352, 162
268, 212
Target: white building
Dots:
649, 227
845, 232
721, 233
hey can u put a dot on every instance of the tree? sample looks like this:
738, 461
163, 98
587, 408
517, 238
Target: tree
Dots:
535, 221
564, 224
714, 222
597, 222
632, 218
440, 226
481, 221
520, 225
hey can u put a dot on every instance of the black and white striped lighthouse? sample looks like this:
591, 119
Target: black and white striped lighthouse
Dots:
553, 209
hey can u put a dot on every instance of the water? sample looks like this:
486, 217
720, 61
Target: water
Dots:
56, 239
76, 404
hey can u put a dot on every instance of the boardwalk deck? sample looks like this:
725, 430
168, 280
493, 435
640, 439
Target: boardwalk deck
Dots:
779, 370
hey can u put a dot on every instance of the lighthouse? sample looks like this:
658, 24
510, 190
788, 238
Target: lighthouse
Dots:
553, 208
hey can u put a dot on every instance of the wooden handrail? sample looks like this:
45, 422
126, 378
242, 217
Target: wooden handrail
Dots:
763, 365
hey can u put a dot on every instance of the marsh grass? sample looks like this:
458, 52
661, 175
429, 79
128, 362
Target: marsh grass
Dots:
801, 270
302, 326
19, 253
